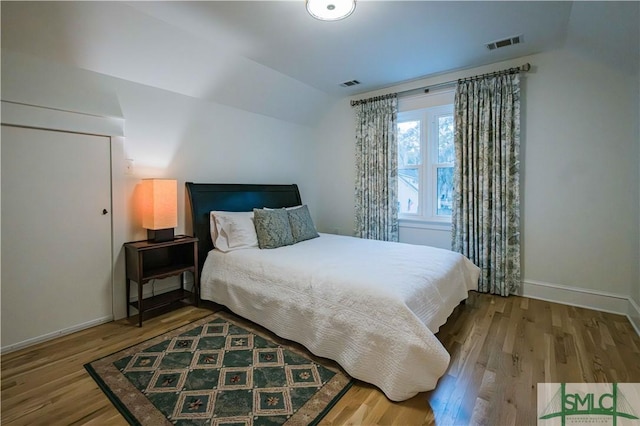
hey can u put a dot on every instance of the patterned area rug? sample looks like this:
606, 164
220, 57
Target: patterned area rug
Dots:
219, 370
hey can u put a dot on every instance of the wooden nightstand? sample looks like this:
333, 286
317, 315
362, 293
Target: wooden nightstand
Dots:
146, 261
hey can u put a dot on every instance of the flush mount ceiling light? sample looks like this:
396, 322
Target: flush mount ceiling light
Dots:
330, 10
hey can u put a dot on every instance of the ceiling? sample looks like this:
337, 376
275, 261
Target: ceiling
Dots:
273, 58
386, 42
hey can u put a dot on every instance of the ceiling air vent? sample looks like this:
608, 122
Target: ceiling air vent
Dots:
349, 83
504, 42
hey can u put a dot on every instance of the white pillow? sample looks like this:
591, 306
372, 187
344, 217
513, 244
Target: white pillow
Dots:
232, 230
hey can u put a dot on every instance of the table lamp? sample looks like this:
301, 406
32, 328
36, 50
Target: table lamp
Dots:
159, 208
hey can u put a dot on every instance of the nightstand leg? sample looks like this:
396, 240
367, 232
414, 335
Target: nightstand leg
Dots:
128, 295
196, 287
196, 277
140, 285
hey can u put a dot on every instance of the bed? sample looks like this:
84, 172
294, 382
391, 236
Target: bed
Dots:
371, 306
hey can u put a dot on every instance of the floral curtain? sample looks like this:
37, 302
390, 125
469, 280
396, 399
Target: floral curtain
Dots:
486, 212
376, 196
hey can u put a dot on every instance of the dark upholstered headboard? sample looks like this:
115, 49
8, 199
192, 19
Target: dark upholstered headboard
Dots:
205, 197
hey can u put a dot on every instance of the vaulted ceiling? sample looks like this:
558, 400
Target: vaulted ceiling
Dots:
385, 42
271, 57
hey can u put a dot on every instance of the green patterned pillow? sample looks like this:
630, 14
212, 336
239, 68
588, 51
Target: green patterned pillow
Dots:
272, 228
302, 227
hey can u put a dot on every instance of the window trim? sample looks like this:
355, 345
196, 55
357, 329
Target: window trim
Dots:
405, 222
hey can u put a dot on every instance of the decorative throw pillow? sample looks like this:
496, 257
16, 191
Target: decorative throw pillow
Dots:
272, 228
286, 208
302, 227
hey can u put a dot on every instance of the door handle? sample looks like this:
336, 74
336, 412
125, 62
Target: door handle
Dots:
104, 211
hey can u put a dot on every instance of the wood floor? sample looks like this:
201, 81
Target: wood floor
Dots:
500, 349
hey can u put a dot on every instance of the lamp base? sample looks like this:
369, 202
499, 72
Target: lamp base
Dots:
160, 235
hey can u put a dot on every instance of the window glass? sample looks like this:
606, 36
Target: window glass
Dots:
445, 191
409, 161
409, 190
445, 139
409, 143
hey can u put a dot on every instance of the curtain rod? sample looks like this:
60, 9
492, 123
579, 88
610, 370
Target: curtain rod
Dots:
375, 98
523, 68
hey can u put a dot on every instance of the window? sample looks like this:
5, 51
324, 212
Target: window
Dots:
425, 163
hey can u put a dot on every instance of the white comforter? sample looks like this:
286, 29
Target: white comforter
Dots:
371, 306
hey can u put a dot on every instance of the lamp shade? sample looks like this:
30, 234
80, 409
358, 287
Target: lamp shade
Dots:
159, 203
330, 10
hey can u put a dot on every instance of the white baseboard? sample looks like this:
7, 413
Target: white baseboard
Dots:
634, 315
54, 334
149, 290
584, 298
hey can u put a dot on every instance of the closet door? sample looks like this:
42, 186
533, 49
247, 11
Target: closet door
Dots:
56, 233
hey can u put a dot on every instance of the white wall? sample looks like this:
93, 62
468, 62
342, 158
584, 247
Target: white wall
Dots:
637, 295
634, 310
335, 169
580, 190
167, 135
